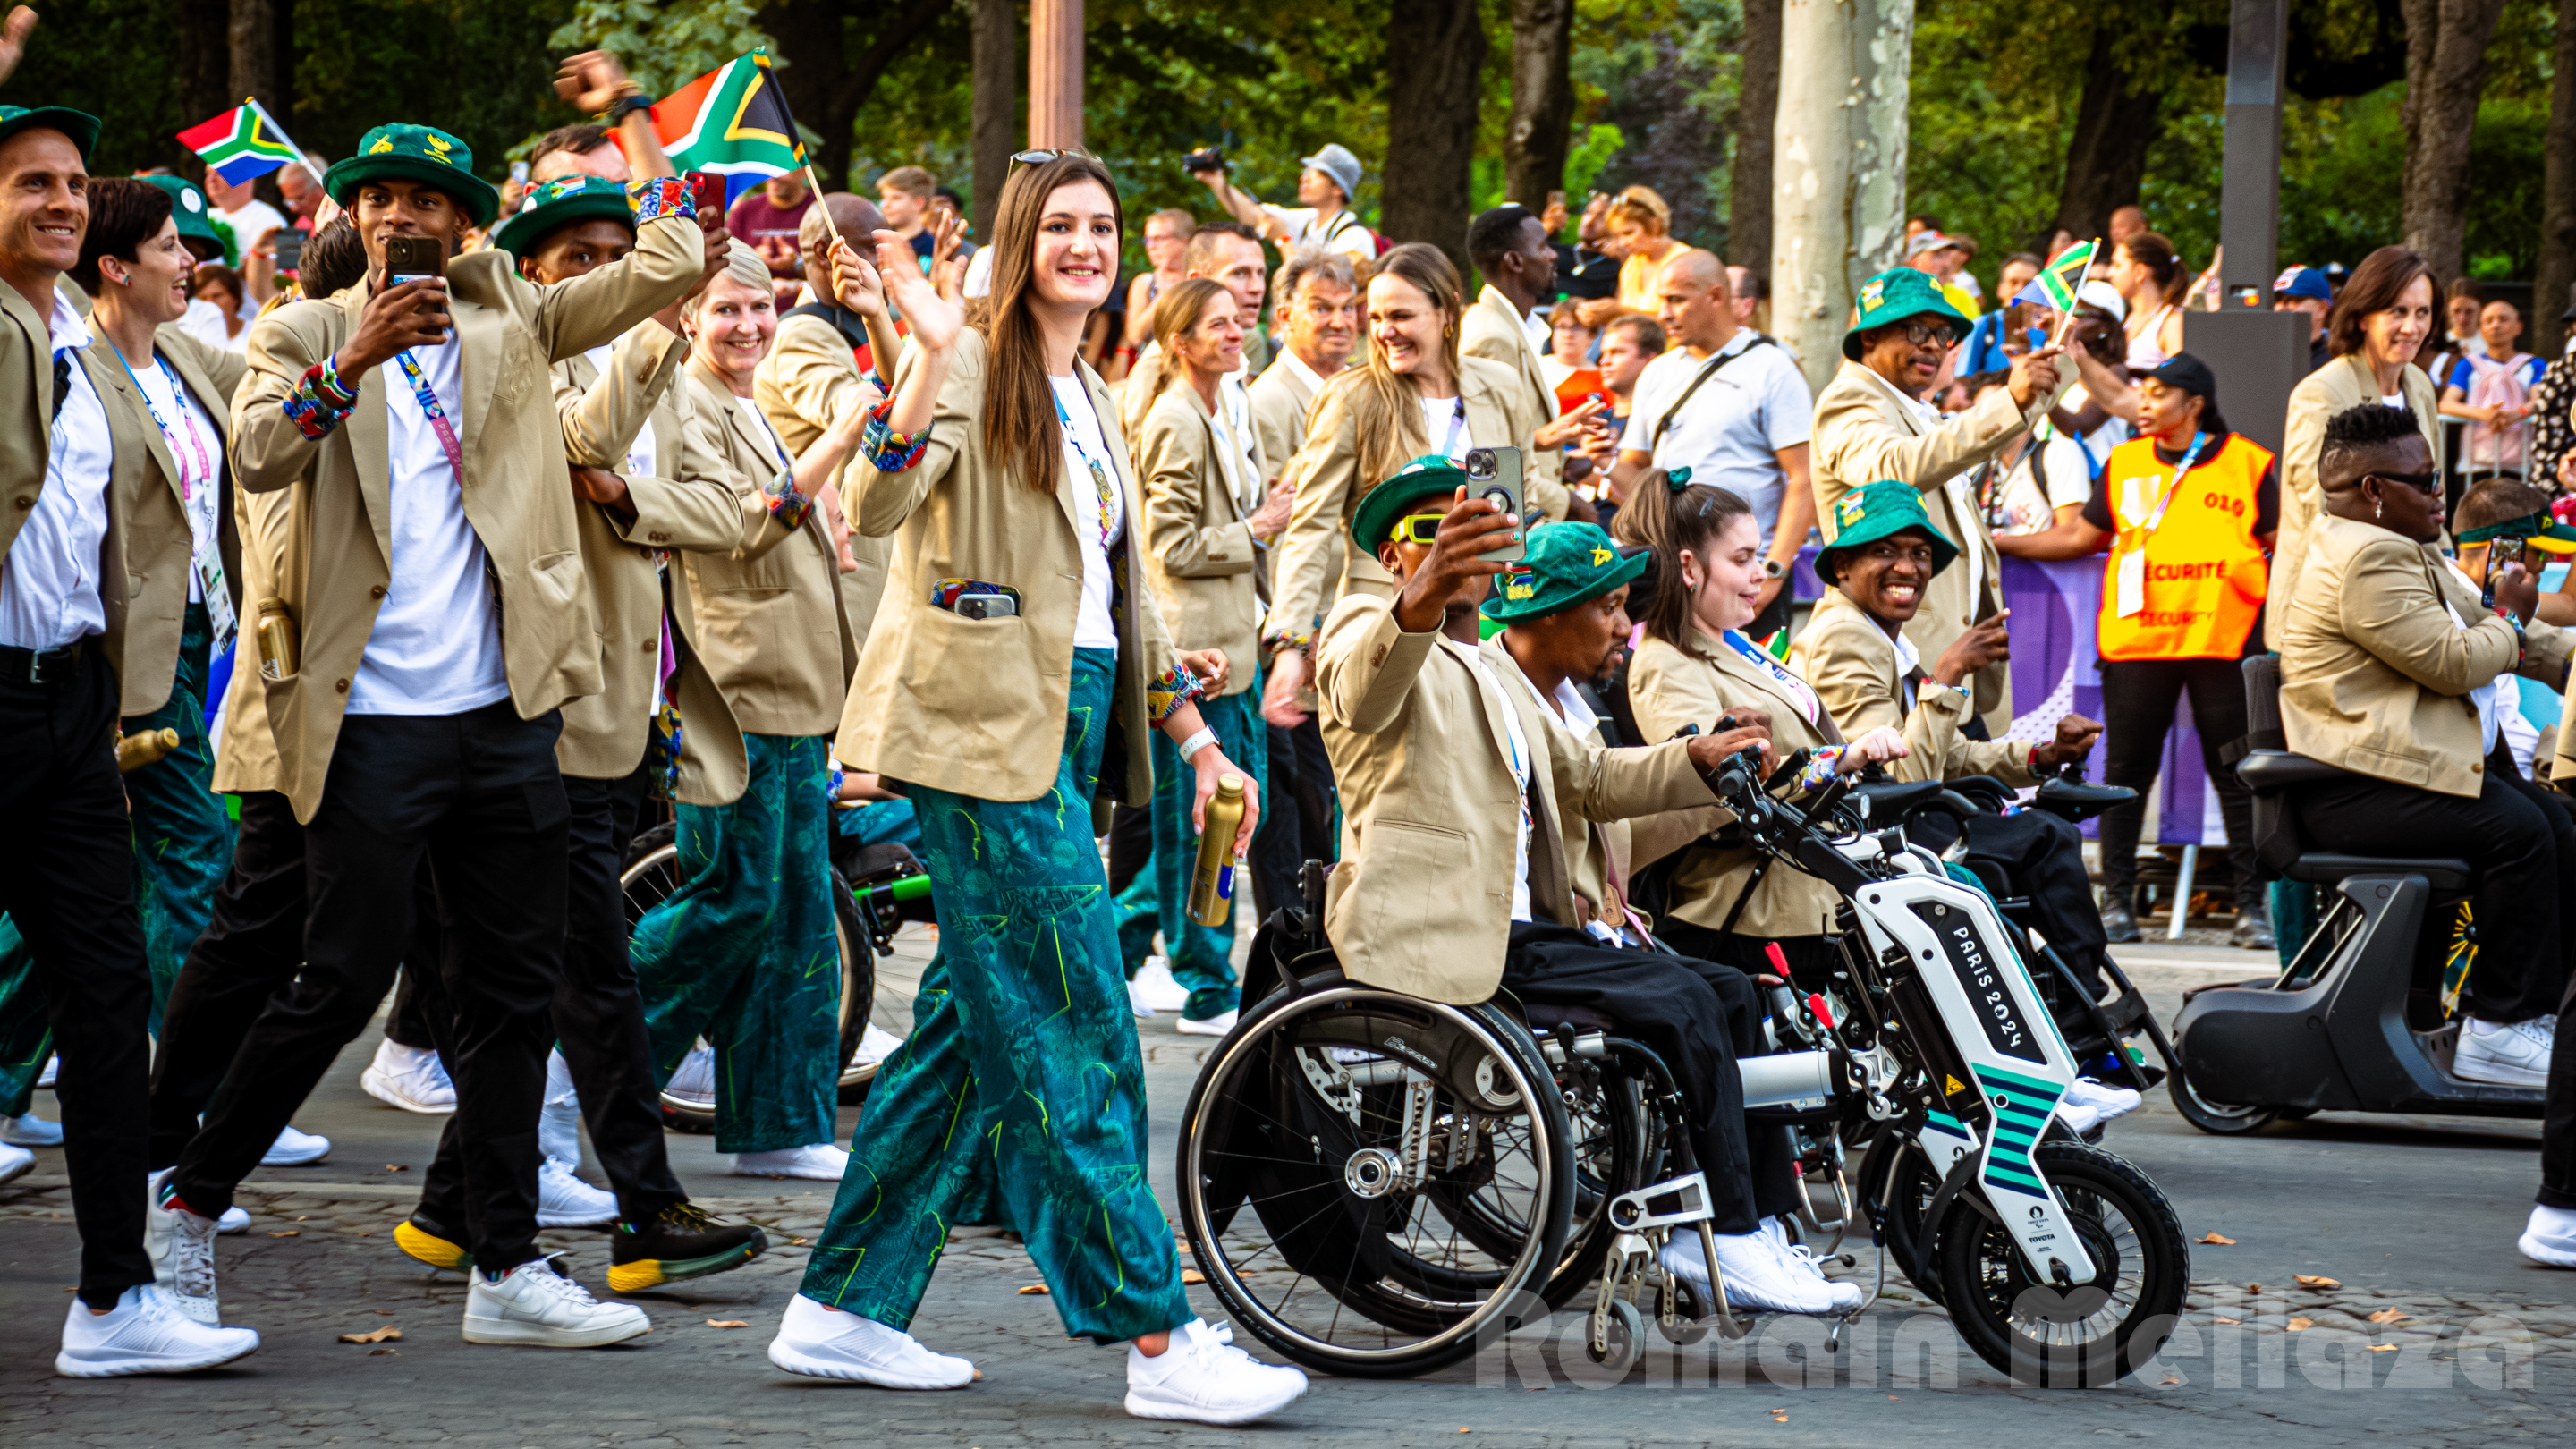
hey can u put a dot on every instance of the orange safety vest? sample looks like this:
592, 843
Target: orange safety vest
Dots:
2204, 573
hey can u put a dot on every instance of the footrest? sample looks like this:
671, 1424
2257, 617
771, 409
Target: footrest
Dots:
2317, 869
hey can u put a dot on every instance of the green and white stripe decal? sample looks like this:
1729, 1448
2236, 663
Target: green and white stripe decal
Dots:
2021, 1106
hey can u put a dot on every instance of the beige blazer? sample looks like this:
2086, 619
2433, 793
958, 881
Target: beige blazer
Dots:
146, 597
1281, 399
1316, 542
26, 410
766, 617
2340, 385
977, 706
1199, 551
338, 543
1421, 902
1492, 330
1864, 432
2374, 674
1851, 662
690, 505
809, 378
1668, 689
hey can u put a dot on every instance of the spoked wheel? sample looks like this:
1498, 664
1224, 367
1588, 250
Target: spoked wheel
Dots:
2090, 1334
1610, 1137
653, 873
1334, 1148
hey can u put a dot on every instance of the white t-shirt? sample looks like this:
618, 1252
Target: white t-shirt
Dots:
256, 219
436, 645
1731, 430
641, 452
205, 321
1338, 232
1445, 420
49, 582
1519, 747
1087, 443
2056, 474
196, 444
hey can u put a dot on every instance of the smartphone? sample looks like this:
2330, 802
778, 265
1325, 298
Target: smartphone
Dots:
987, 606
519, 173
412, 259
706, 192
290, 249
1495, 473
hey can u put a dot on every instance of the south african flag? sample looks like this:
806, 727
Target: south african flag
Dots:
732, 121
2059, 281
240, 144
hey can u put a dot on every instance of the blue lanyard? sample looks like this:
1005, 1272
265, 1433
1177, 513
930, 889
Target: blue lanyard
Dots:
438, 423
1798, 688
2190, 456
196, 442
1457, 425
1099, 476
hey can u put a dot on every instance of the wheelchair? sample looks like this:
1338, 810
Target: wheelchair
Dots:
1378, 1186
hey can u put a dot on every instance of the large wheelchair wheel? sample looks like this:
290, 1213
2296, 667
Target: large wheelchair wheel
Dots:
2081, 1335
1363, 1129
653, 872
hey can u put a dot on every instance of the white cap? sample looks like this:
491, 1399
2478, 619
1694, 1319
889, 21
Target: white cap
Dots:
2099, 293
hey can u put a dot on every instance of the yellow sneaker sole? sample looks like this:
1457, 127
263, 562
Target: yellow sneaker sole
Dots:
429, 1248
646, 1273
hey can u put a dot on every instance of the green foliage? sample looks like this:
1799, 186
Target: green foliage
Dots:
1600, 142
84, 56
665, 44
476, 68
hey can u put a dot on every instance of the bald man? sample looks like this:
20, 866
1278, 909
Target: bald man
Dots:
1728, 404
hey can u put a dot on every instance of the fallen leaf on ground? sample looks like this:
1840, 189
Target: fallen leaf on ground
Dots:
2297, 1324
2227, 1320
1038, 1288
2383, 1348
979, 1373
798, 1242
2221, 1239
397, 1167
2311, 1280
2388, 1315
289, 1233
380, 1352
2253, 1287
1193, 1276
377, 1336
384, 1313
2173, 1378
726, 1323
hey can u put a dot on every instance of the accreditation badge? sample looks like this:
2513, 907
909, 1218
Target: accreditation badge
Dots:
2129, 579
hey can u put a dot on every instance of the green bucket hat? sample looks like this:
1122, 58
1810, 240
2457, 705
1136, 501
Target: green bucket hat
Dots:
2541, 530
1893, 296
81, 126
188, 208
1564, 564
560, 202
1868, 514
415, 153
1373, 522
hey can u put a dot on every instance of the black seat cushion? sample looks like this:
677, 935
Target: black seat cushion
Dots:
2318, 869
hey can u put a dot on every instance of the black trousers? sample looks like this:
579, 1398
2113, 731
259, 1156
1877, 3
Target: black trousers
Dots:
598, 1020
252, 948
2521, 851
1297, 818
1131, 845
67, 879
2138, 699
2558, 1124
476, 797
407, 1024
1700, 1017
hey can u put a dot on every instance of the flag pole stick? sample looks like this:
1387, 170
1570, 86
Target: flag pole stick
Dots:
816, 182
283, 139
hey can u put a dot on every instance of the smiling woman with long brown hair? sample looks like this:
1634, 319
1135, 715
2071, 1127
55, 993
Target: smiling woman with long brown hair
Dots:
1018, 642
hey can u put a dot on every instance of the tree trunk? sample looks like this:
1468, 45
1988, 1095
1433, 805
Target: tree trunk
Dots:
205, 45
251, 39
1434, 50
2551, 292
1810, 200
1882, 60
808, 33
2446, 68
1542, 101
2114, 126
996, 105
1757, 107
1055, 73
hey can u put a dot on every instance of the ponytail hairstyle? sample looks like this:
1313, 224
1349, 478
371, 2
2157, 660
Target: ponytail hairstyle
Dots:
1684, 520
1019, 424
1176, 312
1383, 403
2152, 251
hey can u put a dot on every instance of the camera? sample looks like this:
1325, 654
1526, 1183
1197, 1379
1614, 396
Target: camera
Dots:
1210, 159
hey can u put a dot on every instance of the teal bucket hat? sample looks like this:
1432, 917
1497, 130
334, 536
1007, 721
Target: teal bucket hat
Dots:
1565, 564
560, 202
1875, 511
1893, 296
196, 219
1373, 522
81, 126
415, 153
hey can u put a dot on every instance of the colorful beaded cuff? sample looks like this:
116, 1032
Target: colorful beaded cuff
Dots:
885, 449
786, 504
1290, 639
661, 196
1820, 767
320, 400
1170, 690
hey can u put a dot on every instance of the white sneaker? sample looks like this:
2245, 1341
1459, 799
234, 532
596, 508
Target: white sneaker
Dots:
824, 1343
1213, 1026
181, 1246
295, 1149
2088, 1104
534, 1305
1204, 1378
565, 1201
1759, 1274
145, 1334
695, 1081
53, 1065
876, 1044
30, 1131
2514, 1056
15, 1162
559, 1119
1136, 1003
235, 1221
820, 1161
1155, 987
2550, 1237
409, 1078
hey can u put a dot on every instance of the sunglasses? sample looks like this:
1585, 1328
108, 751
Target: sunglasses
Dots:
1041, 156
1420, 528
2429, 484
1920, 334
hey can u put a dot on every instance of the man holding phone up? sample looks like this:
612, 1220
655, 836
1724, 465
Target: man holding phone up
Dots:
439, 616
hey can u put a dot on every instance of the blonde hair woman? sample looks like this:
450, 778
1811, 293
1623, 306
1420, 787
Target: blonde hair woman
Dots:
1015, 643
1415, 395
1204, 521
1641, 229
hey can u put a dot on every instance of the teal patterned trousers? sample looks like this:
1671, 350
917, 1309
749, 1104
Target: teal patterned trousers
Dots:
1022, 1069
1202, 957
743, 952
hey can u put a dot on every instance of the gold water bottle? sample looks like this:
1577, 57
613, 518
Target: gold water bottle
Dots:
280, 647
133, 752
1212, 880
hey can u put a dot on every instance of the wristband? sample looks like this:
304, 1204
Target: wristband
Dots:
1197, 742
627, 105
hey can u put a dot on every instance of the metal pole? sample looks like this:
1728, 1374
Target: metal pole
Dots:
1055, 73
2182, 891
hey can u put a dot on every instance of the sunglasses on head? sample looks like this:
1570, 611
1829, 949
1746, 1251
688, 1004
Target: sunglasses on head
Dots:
1418, 528
2425, 483
1041, 156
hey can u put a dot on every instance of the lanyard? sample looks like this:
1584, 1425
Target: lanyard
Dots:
196, 441
437, 416
1457, 425
1099, 476
2190, 456
1756, 654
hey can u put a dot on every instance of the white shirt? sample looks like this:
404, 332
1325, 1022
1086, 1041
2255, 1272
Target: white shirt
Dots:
1731, 430
256, 219
1908, 660
205, 321
436, 645
1519, 747
2068, 470
2484, 696
1445, 419
1339, 231
639, 453
1086, 443
49, 581
196, 443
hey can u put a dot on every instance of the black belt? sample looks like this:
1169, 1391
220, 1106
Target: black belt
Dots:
43, 666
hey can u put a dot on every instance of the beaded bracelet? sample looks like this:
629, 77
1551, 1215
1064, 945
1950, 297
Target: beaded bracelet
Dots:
656, 197
1820, 767
885, 449
786, 502
1170, 690
319, 401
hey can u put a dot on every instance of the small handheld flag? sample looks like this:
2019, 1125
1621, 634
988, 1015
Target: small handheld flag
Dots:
732, 121
2058, 282
242, 143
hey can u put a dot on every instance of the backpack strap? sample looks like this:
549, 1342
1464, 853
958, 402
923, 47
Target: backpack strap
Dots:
844, 321
1712, 368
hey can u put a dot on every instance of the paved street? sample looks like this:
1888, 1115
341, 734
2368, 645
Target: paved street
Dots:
2413, 1215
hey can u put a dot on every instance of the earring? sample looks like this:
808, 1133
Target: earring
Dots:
2380, 510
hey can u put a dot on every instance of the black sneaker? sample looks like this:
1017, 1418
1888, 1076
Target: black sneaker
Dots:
2117, 924
678, 1242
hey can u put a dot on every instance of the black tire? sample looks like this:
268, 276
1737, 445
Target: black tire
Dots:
1610, 1139
2219, 1119
2100, 1331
